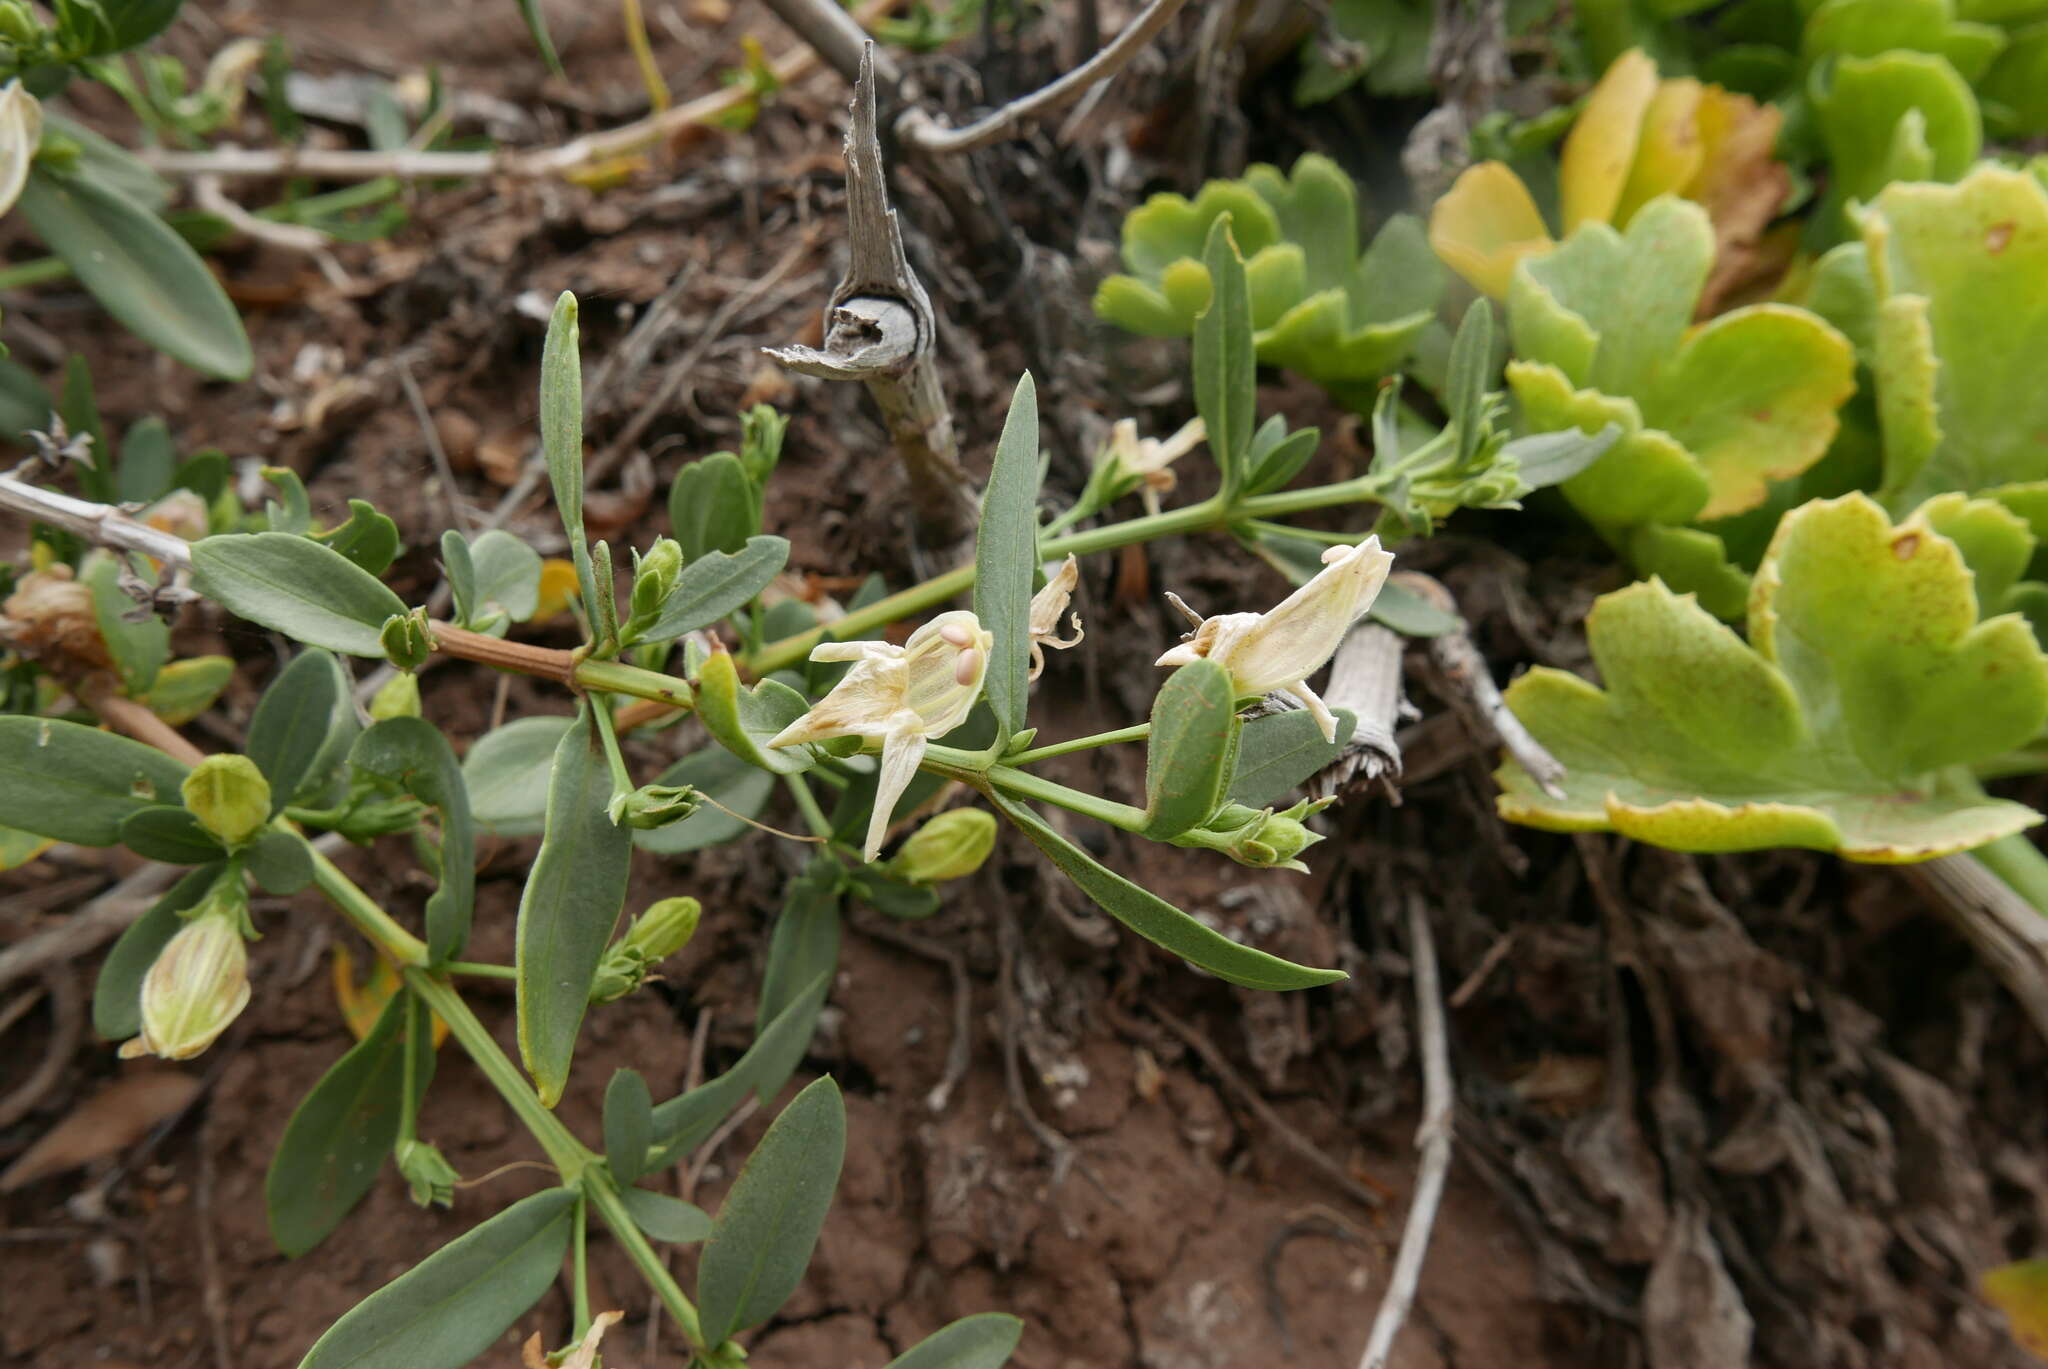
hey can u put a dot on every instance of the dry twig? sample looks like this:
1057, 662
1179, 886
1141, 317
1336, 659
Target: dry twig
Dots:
1365, 678
2005, 929
1432, 1138
1473, 693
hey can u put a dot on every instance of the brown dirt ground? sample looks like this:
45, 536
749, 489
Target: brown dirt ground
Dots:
1690, 1093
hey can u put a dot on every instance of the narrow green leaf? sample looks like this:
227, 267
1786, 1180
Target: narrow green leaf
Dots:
769, 1222
148, 462
983, 1341
292, 720
1157, 920
628, 1125
683, 1121
803, 946
714, 505
537, 25
561, 415
460, 569
311, 593
453, 1305
715, 584
1278, 752
80, 409
506, 774
743, 720
139, 649
280, 862
143, 273
336, 1141
117, 994
572, 900
664, 1218
1465, 387
1191, 750
1006, 553
24, 403
168, 833
185, 689
1546, 459
1225, 360
412, 754
75, 783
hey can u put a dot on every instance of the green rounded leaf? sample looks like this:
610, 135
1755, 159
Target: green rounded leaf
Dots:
983, 1341
628, 1125
664, 1218
292, 585
1191, 751
1277, 754
169, 834
411, 754
457, 1302
280, 862
292, 721
506, 774
143, 273
683, 1121
715, 585
803, 947
769, 1222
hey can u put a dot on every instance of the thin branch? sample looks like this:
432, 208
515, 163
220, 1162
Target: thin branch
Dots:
1433, 1138
2007, 930
100, 524
928, 137
1474, 694
208, 194
883, 329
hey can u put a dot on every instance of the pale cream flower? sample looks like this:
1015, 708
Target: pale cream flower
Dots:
1280, 649
198, 984
584, 1356
900, 696
1151, 459
21, 132
1046, 607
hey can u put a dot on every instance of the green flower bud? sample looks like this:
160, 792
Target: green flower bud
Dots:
406, 640
1260, 838
198, 984
952, 845
653, 805
17, 25
654, 578
427, 1173
229, 796
399, 698
665, 928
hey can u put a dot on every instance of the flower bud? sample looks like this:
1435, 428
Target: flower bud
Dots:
229, 796
17, 25
1260, 838
665, 928
654, 579
198, 984
427, 1173
406, 640
398, 698
653, 805
952, 845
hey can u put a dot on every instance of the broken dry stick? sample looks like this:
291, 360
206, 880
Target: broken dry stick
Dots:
1473, 693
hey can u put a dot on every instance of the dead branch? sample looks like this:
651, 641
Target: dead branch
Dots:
1433, 1138
1365, 678
102, 525
882, 330
2005, 929
1472, 692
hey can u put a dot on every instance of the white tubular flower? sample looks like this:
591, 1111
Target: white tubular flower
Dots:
21, 132
1280, 649
198, 984
1150, 459
900, 696
1046, 607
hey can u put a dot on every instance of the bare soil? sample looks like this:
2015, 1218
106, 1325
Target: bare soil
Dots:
1703, 1105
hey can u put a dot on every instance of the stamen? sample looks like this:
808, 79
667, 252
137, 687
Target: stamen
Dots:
955, 634
965, 669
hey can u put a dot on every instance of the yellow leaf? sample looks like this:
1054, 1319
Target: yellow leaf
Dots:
1668, 150
558, 589
18, 848
1484, 224
2021, 1292
361, 1005
1602, 145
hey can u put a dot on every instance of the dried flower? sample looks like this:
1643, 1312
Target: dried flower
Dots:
198, 984
51, 614
1046, 607
900, 696
1281, 648
1133, 462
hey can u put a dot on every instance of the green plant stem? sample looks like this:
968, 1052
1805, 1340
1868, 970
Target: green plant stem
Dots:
807, 804
2020, 864
622, 778
616, 677
601, 1190
372, 921
409, 1099
478, 969
1137, 733
579, 1283
968, 768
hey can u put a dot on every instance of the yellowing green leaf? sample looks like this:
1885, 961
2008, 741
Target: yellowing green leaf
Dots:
2021, 1292
1486, 223
1867, 675
1602, 145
